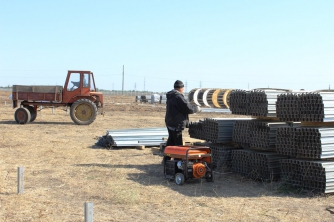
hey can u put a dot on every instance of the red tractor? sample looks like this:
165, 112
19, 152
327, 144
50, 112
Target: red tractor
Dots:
187, 162
79, 93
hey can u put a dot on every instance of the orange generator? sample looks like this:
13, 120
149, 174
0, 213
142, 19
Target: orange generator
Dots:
187, 162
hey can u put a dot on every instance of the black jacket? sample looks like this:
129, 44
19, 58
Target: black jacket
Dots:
177, 110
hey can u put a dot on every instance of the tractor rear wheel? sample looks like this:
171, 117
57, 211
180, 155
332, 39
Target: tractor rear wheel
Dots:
33, 113
22, 116
83, 112
179, 179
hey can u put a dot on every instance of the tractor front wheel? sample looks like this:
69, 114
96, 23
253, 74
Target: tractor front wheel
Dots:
22, 116
179, 179
83, 112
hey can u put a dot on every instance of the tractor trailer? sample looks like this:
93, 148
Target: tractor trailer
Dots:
79, 93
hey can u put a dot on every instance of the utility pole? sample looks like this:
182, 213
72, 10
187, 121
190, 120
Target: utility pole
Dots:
123, 82
144, 84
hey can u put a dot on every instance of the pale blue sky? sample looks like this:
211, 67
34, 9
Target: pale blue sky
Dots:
220, 44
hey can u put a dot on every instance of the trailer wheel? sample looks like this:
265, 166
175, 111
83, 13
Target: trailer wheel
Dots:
209, 177
22, 116
179, 179
33, 113
83, 112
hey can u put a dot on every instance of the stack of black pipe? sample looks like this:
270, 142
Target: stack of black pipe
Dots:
239, 103
263, 134
288, 107
263, 166
256, 134
196, 130
257, 102
216, 130
306, 142
263, 102
307, 107
317, 176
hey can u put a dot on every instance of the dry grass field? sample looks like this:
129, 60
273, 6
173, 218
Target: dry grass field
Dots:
63, 169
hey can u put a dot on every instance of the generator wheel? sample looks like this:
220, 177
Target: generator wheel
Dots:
33, 113
22, 116
83, 112
209, 177
179, 179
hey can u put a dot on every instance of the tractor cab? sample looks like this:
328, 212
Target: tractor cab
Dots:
80, 85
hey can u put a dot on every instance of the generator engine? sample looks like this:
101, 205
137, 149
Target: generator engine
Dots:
187, 162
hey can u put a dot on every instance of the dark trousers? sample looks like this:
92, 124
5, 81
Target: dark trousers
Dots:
174, 138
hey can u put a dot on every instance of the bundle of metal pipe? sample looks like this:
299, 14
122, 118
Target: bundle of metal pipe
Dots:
317, 107
263, 134
239, 103
218, 130
287, 141
196, 130
310, 107
221, 155
135, 137
257, 165
215, 130
241, 131
317, 176
288, 107
263, 102
306, 142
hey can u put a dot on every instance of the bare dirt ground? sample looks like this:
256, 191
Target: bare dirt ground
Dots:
63, 169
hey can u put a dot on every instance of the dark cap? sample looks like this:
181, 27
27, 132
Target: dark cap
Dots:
178, 84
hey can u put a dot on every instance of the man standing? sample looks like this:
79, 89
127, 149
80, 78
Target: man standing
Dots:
177, 110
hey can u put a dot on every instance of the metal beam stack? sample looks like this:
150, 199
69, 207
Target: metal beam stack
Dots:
218, 130
312, 175
317, 107
215, 130
196, 130
306, 142
316, 143
239, 103
256, 134
242, 161
308, 107
263, 166
133, 137
241, 133
263, 134
287, 141
263, 102
288, 107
